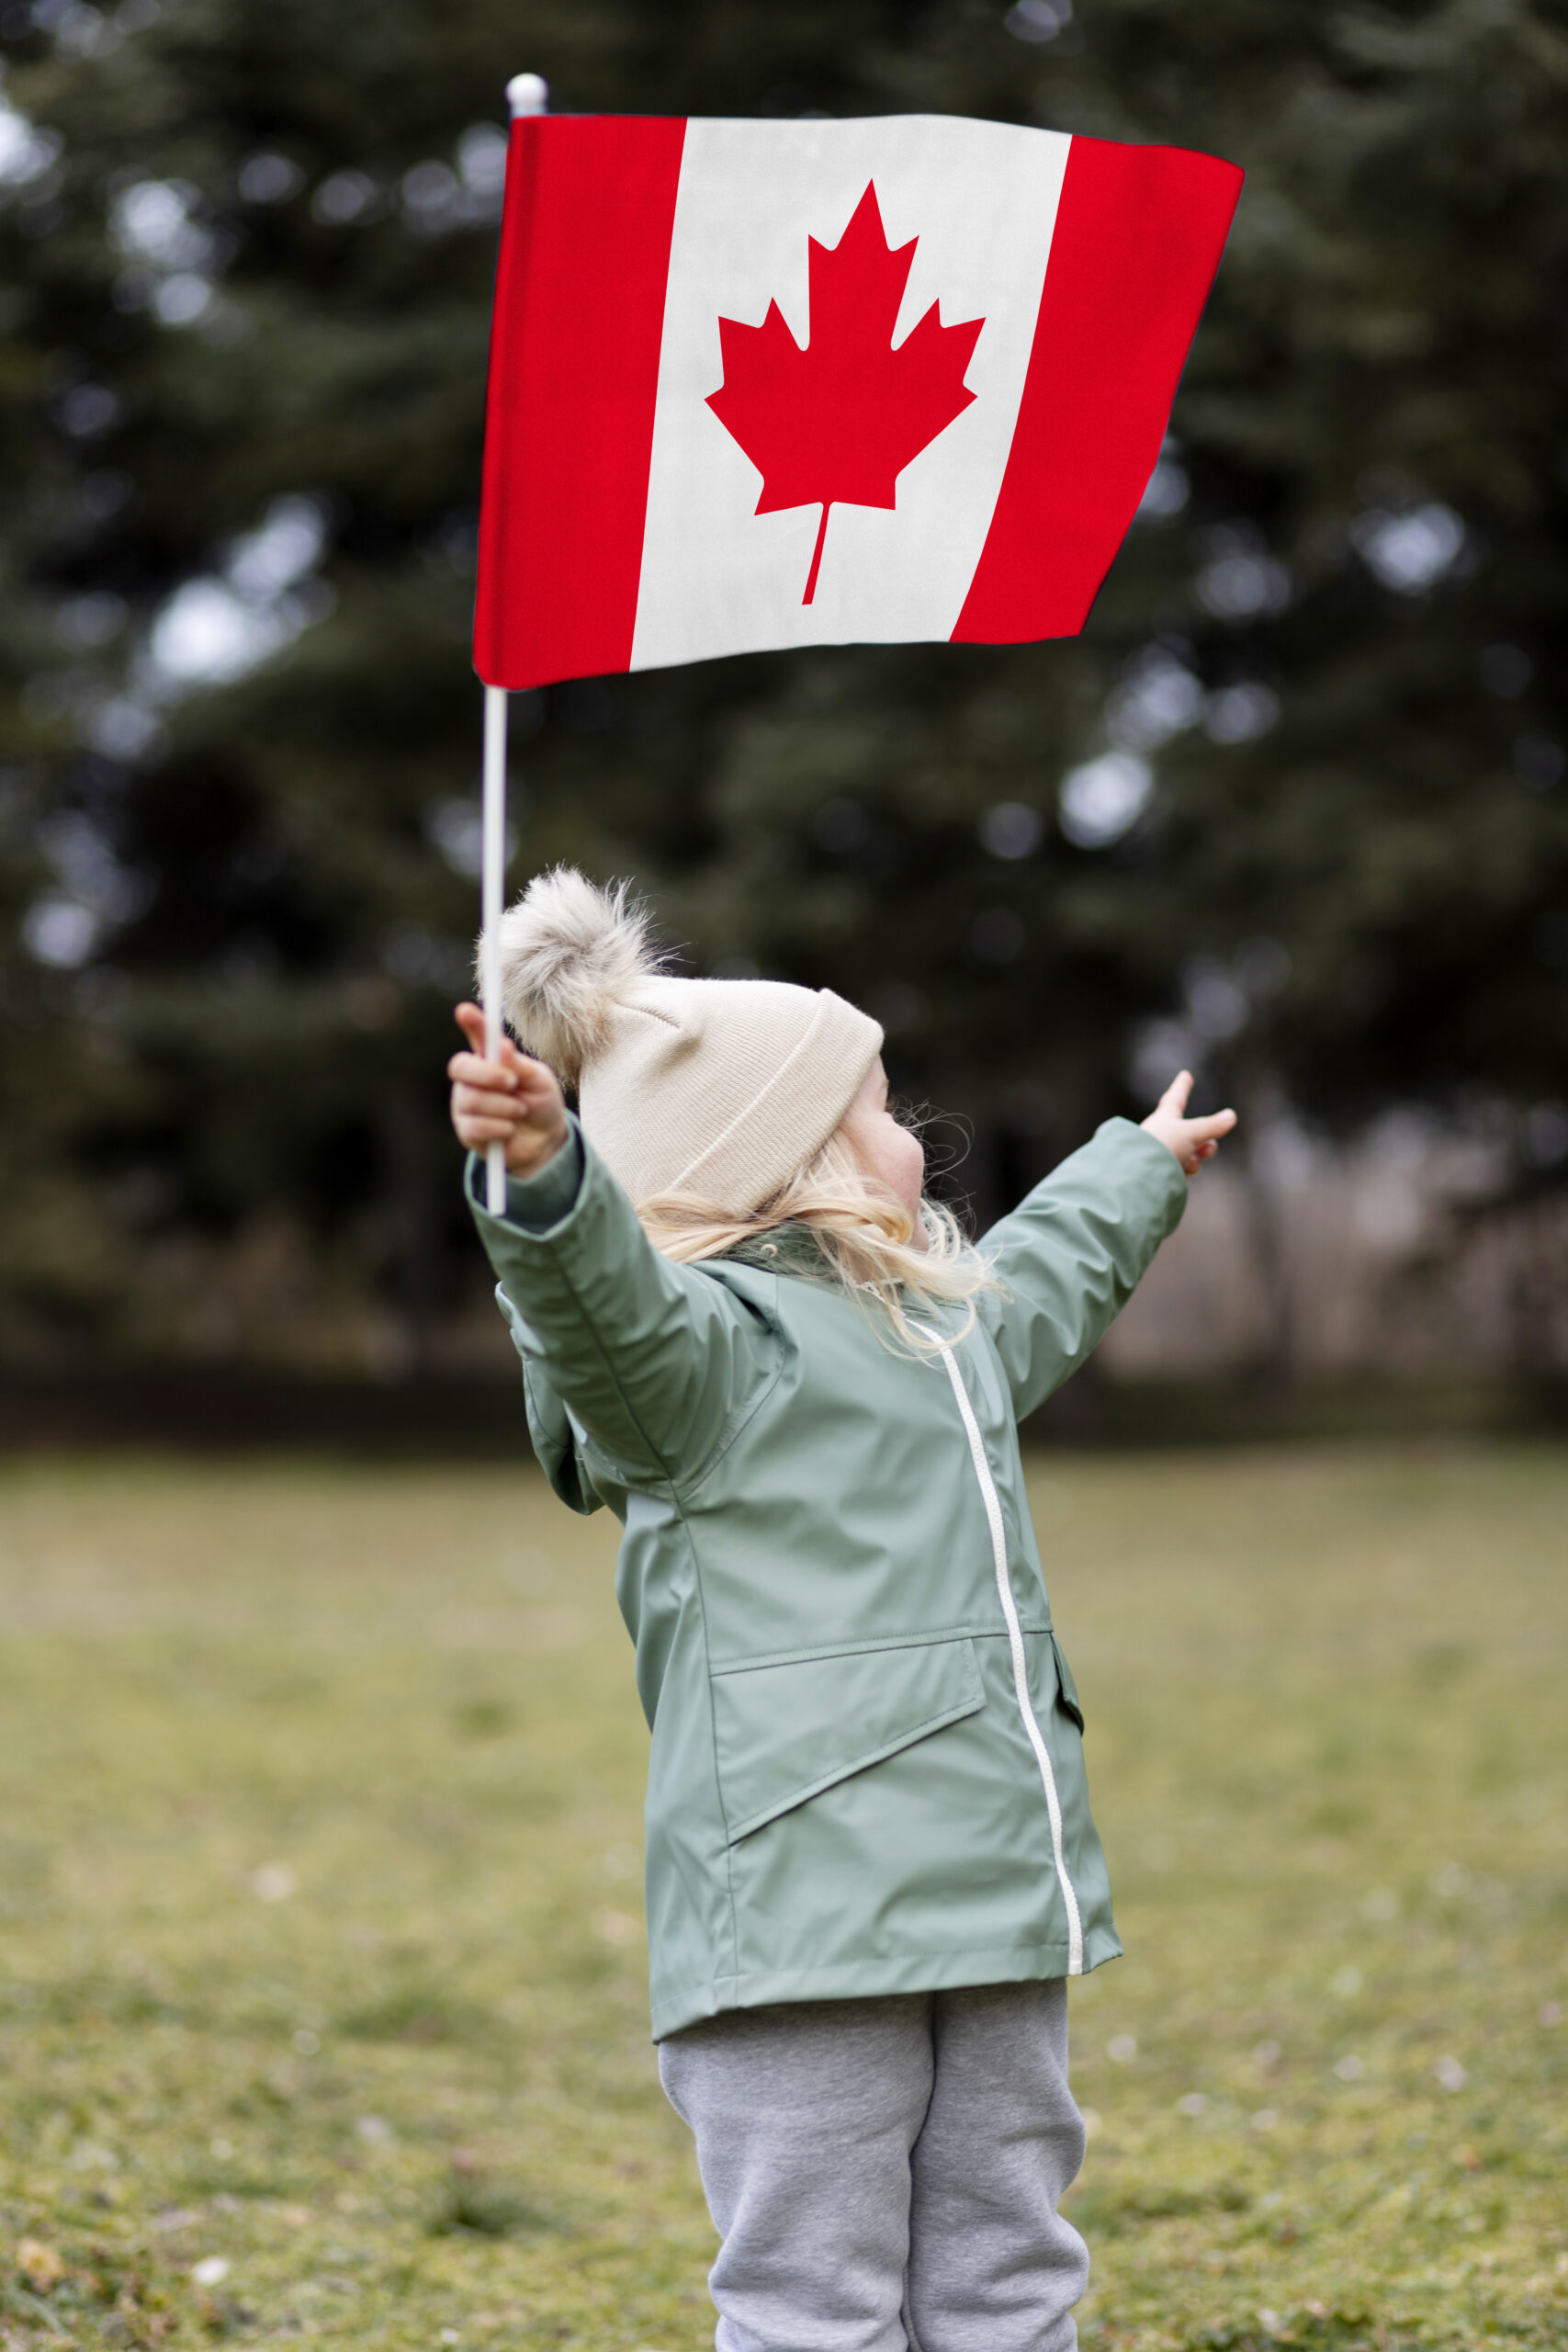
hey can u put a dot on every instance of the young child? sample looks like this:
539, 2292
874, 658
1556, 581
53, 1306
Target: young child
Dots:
870, 1861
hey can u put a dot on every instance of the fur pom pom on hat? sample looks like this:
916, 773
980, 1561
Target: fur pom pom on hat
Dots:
720, 1090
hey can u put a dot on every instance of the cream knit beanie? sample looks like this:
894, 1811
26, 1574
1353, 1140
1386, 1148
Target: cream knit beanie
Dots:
722, 1090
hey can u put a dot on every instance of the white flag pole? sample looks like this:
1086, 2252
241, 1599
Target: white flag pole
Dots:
525, 94
492, 892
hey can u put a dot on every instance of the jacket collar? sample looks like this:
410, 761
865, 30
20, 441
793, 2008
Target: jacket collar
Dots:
783, 1249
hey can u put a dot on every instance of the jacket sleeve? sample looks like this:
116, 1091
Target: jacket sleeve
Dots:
657, 1362
1070, 1256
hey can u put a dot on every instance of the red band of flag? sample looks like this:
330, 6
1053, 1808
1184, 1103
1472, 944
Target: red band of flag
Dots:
573, 374
1139, 235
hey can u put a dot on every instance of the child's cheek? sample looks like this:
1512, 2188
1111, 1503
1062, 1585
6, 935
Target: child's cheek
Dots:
914, 1165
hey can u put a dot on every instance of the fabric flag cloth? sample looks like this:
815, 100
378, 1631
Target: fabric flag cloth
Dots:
761, 384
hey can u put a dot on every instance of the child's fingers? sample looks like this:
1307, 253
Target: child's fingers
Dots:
482, 1102
487, 1085
472, 1069
471, 1020
529, 1081
1210, 1129
1174, 1099
486, 1102
1193, 1148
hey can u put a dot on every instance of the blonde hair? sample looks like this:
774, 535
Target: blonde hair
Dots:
864, 1240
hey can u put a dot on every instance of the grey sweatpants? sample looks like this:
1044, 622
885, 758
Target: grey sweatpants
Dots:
885, 2173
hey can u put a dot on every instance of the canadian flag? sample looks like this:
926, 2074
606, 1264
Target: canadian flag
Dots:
759, 384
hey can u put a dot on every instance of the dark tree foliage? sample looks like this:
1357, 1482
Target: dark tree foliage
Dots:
1293, 807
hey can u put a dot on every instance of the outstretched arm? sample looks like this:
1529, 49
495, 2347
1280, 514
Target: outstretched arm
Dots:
1070, 1256
653, 1359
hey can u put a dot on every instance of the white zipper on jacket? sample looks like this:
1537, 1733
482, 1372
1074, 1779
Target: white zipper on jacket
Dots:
1015, 1642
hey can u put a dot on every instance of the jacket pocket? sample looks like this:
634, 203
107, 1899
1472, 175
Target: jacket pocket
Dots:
785, 1733
1067, 1689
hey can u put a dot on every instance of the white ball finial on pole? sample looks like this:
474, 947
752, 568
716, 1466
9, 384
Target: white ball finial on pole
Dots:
528, 94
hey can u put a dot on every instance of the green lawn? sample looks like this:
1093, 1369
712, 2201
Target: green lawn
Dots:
321, 1994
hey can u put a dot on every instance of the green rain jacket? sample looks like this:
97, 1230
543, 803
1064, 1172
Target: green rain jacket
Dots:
866, 1773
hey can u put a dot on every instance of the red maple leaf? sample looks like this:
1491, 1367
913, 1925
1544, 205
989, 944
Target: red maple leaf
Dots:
837, 423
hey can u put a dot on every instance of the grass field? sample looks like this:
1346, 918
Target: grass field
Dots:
321, 1989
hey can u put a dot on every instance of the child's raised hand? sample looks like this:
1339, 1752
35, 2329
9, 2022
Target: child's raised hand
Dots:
514, 1100
1192, 1140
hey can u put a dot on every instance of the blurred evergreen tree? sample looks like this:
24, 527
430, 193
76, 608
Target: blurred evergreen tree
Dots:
1293, 806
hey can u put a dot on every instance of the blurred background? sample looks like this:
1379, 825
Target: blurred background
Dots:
1293, 808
